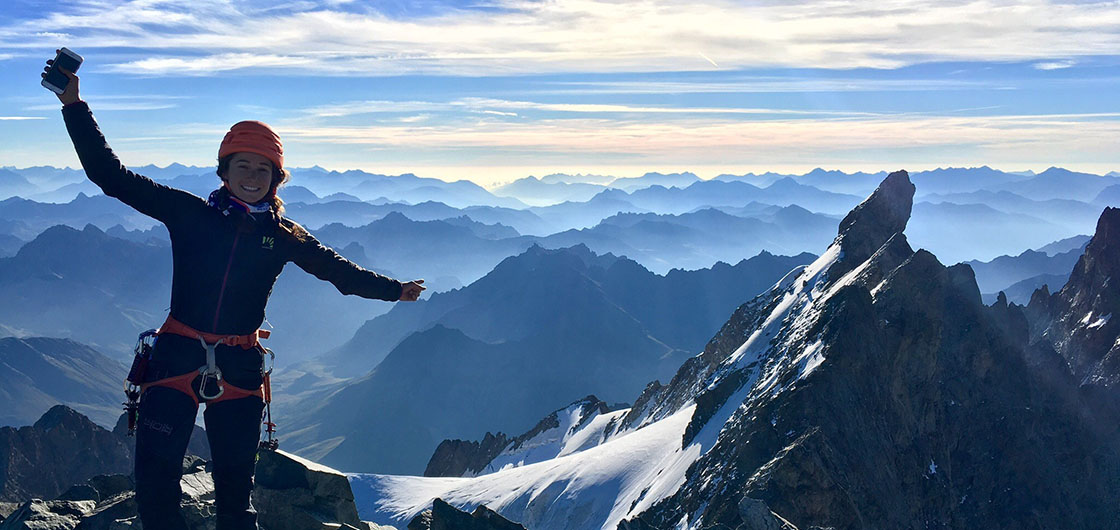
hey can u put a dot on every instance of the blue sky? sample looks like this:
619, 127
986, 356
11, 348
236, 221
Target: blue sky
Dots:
498, 90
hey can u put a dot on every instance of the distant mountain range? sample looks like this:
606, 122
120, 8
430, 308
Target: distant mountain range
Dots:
73, 284
1031, 266
962, 213
542, 326
958, 232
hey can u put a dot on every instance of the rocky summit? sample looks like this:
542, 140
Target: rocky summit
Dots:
1077, 321
872, 389
290, 494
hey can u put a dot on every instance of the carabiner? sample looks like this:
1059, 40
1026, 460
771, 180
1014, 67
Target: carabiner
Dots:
210, 371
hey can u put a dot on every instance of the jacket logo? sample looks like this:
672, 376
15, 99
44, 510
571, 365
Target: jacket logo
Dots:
268, 242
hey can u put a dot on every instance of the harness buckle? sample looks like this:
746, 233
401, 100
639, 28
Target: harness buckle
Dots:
210, 372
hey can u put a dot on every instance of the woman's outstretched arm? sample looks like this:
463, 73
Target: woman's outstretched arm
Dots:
345, 275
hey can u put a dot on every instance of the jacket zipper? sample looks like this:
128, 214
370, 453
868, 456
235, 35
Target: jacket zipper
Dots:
225, 278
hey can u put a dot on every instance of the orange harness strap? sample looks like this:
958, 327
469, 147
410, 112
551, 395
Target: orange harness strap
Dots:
184, 382
249, 341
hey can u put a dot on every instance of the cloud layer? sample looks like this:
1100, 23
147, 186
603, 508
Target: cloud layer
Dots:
521, 37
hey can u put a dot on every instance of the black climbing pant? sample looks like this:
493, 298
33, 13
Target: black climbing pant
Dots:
166, 421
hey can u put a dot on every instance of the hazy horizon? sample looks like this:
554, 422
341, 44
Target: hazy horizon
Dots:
502, 90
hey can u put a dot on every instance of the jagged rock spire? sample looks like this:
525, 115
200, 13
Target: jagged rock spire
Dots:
1080, 324
883, 214
880, 218
1102, 255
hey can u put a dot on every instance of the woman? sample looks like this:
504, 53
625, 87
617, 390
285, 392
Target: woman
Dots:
227, 252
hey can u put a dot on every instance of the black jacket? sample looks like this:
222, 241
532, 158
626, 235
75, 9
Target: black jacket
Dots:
225, 260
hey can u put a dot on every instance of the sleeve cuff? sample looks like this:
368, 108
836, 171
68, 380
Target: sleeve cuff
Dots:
76, 106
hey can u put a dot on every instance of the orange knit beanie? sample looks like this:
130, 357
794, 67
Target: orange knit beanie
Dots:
253, 137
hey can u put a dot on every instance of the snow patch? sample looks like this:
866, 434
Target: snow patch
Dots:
802, 286
593, 488
810, 358
568, 438
1100, 322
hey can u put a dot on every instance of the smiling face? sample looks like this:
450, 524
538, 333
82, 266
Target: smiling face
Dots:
249, 176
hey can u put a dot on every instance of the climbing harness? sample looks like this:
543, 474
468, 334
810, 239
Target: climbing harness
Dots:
135, 379
212, 388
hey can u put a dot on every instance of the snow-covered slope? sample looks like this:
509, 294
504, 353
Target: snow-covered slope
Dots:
593, 488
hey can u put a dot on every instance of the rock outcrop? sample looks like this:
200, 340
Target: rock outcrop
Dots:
290, 494
63, 448
456, 458
38, 514
444, 516
293, 493
1077, 320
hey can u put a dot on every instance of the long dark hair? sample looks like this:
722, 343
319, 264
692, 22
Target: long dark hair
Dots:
279, 178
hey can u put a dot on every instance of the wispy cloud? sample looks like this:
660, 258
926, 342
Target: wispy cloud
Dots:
113, 106
521, 36
414, 119
501, 107
684, 139
113, 102
210, 65
1054, 65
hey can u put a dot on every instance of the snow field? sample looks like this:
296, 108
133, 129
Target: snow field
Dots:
594, 488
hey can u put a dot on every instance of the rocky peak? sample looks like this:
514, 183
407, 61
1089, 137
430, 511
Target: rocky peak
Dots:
63, 417
1077, 320
62, 448
809, 386
1102, 255
883, 214
443, 515
458, 458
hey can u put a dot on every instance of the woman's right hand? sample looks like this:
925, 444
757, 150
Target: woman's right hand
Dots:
70, 95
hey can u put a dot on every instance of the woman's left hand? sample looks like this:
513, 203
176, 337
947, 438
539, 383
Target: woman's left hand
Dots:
410, 291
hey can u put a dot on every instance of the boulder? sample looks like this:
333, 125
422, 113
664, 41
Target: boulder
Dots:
297, 494
111, 485
37, 514
6, 509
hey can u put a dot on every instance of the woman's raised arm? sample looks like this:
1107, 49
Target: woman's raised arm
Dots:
102, 166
